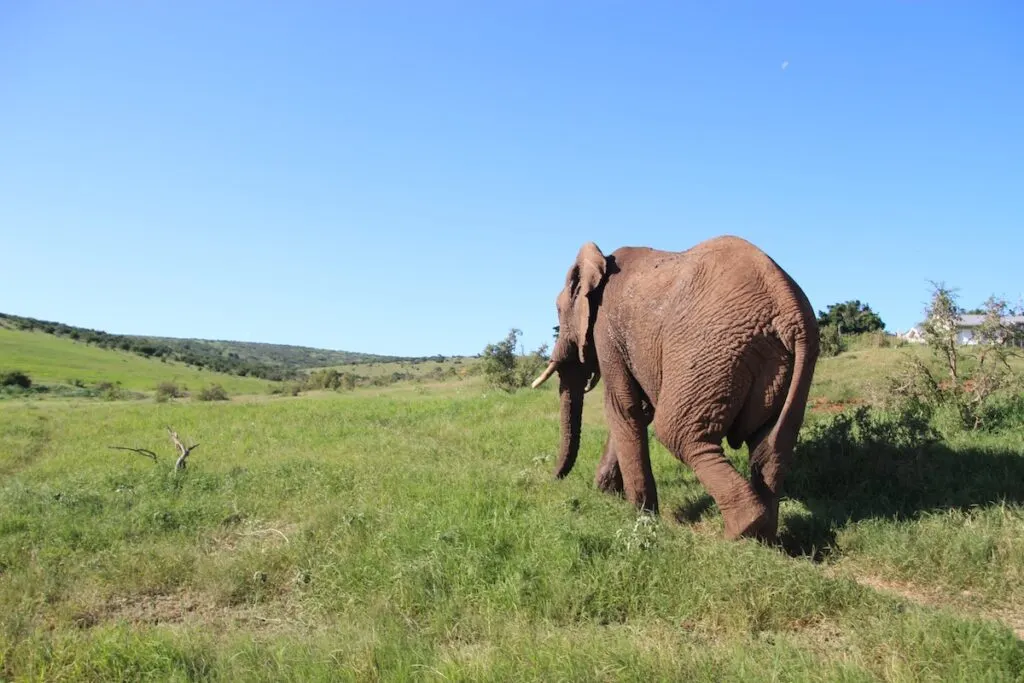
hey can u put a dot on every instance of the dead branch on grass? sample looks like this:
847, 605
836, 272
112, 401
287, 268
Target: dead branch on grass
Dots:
141, 451
183, 450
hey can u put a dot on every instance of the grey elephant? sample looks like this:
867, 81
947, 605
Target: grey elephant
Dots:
713, 343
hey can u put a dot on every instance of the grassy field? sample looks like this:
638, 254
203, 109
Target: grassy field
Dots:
424, 369
54, 360
415, 533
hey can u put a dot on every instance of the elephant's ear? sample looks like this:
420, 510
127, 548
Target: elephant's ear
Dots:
588, 273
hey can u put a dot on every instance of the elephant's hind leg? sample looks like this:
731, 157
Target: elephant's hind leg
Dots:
771, 455
742, 509
765, 478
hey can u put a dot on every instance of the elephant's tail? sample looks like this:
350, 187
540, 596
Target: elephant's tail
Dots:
783, 436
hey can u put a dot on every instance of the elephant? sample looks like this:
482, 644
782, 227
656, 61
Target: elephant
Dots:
716, 342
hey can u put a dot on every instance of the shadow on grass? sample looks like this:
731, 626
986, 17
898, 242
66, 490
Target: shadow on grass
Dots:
694, 510
859, 465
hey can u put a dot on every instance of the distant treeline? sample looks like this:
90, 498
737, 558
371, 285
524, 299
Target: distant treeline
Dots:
275, 362
337, 380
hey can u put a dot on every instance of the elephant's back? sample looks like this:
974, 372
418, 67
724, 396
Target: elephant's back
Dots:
734, 270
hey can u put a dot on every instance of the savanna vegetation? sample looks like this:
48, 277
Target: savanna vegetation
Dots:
38, 364
245, 359
413, 530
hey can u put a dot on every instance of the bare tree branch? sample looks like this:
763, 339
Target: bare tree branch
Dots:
141, 451
182, 450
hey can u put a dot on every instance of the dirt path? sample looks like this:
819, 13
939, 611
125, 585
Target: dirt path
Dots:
1013, 619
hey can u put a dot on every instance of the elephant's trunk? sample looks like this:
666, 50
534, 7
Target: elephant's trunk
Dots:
570, 391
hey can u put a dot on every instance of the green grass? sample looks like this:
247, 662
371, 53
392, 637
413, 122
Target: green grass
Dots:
416, 533
54, 360
424, 368
252, 359
861, 373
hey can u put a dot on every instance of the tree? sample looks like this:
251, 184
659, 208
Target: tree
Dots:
500, 362
831, 342
851, 317
505, 370
969, 387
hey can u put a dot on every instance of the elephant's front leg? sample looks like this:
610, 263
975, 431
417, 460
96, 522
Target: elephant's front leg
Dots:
627, 440
609, 474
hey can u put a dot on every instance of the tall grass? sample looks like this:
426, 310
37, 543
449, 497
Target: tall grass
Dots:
419, 535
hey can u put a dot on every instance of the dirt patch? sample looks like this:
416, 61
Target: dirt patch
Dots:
823, 637
188, 609
824, 405
1013, 619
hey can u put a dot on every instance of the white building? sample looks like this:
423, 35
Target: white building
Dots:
967, 327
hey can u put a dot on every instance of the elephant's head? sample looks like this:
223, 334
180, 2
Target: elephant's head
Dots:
574, 356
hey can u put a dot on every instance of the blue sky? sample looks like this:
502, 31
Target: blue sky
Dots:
416, 177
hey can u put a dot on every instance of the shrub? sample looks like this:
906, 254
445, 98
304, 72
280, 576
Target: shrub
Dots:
979, 387
15, 378
831, 341
166, 391
500, 362
214, 392
878, 339
508, 372
848, 454
529, 366
112, 391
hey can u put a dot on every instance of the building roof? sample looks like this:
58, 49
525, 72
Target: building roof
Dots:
974, 320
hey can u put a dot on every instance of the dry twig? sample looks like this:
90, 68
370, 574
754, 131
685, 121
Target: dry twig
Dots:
182, 450
141, 451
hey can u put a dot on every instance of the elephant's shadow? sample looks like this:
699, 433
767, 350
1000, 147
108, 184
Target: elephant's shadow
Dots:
843, 480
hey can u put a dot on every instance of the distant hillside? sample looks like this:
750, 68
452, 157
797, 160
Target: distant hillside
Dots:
71, 368
266, 361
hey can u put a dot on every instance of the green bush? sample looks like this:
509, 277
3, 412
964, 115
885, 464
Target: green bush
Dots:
977, 388
15, 378
831, 342
851, 454
214, 392
505, 370
113, 391
166, 391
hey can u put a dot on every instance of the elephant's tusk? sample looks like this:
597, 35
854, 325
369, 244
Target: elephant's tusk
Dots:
548, 371
592, 382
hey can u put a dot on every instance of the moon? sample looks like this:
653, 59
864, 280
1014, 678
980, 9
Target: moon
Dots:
785, 64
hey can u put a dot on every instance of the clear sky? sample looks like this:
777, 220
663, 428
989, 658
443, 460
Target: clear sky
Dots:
416, 177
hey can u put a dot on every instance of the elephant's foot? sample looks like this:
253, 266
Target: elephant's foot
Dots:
768, 533
769, 496
609, 480
746, 521
644, 501
609, 475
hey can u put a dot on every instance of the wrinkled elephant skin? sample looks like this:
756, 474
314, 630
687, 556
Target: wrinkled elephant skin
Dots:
709, 344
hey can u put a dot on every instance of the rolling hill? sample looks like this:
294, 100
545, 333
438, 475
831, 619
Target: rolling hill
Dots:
52, 360
246, 359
